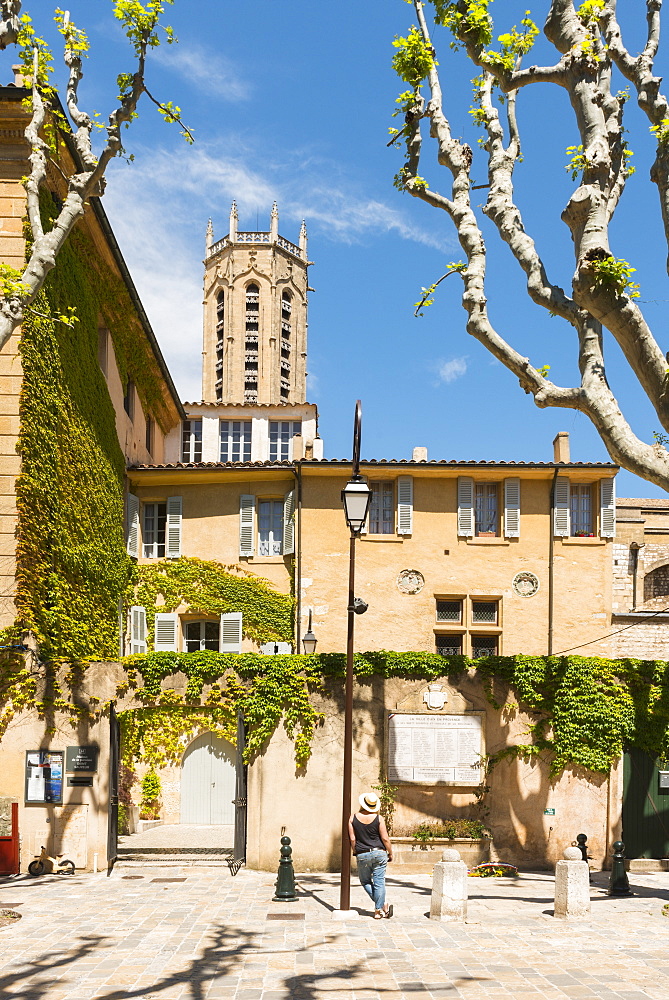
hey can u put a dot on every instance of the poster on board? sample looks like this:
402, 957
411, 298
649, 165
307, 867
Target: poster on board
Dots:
44, 776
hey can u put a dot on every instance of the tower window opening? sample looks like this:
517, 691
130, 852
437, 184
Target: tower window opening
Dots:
285, 351
252, 298
220, 308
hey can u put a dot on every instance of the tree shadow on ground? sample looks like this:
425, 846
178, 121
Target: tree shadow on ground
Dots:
223, 957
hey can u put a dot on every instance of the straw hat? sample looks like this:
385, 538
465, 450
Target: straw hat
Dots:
370, 802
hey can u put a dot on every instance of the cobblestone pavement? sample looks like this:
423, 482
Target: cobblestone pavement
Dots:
209, 936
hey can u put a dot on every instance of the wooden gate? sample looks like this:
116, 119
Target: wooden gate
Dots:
9, 839
208, 782
645, 808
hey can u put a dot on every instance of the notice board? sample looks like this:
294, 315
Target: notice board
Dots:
44, 776
435, 749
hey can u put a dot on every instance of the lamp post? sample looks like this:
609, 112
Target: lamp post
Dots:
355, 498
309, 640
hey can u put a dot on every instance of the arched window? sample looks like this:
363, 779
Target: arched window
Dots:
656, 584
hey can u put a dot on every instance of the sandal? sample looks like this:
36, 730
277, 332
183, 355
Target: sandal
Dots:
379, 914
388, 912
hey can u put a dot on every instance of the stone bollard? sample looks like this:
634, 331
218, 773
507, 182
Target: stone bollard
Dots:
572, 885
285, 881
449, 888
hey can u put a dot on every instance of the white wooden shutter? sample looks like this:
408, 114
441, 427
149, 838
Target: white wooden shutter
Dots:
289, 523
137, 630
561, 512
405, 505
166, 631
512, 508
230, 640
247, 510
173, 527
132, 526
465, 506
607, 508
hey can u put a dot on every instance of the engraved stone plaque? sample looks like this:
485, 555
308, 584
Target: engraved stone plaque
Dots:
427, 749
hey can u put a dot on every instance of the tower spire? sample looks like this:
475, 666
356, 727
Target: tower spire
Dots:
233, 222
209, 238
274, 223
303, 239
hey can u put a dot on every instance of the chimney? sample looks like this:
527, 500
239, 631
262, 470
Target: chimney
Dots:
561, 447
419, 455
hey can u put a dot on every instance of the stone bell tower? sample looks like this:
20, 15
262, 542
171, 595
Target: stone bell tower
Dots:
255, 316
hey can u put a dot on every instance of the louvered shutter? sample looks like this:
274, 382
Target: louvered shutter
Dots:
285, 648
173, 547
465, 507
247, 509
132, 526
289, 523
512, 508
137, 631
561, 513
405, 505
230, 640
607, 508
166, 631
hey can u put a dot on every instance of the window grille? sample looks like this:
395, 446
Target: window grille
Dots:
484, 612
449, 645
449, 611
484, 645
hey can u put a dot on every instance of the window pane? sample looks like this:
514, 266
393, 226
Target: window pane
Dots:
581, 508
449, 611
270, 527
484, 645
449, 645
191, 441
211, 635
381, 509
485, 508
484, 611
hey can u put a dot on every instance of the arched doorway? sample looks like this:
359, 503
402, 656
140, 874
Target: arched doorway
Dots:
208, 782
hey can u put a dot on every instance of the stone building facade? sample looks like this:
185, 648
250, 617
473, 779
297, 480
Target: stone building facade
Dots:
640, 607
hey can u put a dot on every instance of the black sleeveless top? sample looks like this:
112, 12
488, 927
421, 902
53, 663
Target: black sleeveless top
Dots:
367, 837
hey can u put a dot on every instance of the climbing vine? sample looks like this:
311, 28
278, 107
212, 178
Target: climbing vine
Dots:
586, 710
208, 588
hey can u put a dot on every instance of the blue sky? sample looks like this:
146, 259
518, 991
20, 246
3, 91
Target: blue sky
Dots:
292, 101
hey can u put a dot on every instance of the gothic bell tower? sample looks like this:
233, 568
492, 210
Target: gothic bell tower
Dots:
255, 316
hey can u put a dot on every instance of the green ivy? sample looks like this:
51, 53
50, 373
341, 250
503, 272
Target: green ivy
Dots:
587, 710
209, 588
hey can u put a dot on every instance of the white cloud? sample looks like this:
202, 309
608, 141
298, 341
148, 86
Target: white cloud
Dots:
449, 371
204, 69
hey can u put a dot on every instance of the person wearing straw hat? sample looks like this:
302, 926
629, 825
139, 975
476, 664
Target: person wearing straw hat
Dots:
372, 848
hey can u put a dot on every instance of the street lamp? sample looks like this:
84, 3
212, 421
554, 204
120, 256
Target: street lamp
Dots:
355, 498
309, 640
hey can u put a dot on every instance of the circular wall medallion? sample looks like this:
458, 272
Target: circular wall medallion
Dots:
410, 581
525, 584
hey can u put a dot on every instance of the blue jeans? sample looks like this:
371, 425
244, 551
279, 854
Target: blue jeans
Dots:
372, 875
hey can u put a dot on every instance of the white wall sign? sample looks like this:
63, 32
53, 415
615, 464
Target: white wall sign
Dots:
426, 749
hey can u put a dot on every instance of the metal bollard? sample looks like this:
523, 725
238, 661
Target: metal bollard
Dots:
581, 843
619, 883
285, 880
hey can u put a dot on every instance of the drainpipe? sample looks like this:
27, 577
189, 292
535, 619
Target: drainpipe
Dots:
298, 560
551, 566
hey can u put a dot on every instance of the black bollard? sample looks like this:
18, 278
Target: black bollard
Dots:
619, 883
285, 880
581, 843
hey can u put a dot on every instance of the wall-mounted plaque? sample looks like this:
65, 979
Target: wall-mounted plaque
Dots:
431, 749
44, 776
81, 758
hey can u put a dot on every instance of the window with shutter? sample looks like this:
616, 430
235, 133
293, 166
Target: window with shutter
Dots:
132, 526
137, 631
465, 507
561, 515
512, 508
173, 527
486, 509
289, 523
381, 514
607, 508
405, 505
231, 632
166, 631
247, 509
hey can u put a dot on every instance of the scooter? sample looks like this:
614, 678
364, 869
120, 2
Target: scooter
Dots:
43, 863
